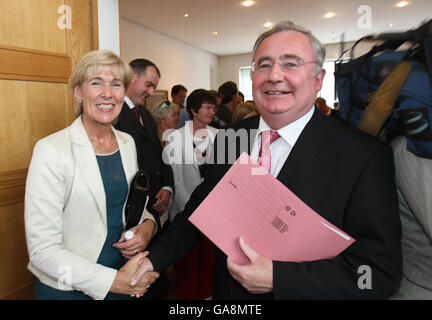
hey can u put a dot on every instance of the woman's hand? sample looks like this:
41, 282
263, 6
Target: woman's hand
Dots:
143, 233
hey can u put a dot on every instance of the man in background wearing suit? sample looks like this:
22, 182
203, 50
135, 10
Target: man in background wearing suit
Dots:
178, 95
139, 123
230, 99
414, 185
345, 175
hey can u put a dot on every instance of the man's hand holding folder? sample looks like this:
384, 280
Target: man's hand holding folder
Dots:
267, 216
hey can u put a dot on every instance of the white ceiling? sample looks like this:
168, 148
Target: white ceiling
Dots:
238, 26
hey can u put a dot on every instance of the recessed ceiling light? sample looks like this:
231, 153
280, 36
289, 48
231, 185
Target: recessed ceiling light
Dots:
215, 33
268, 24
186, 15
391, 25
329, 15
402, 4
248, 3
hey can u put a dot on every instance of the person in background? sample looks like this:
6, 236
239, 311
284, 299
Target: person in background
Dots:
322, 106
216, 123
178, 95
244, 110
136, 120
217, 97
414, 185
166, 117
230, 99
336, 111
241, 97
192, 145
343, 174
76, 190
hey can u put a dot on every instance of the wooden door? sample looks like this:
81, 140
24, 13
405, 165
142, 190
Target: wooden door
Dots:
40, 42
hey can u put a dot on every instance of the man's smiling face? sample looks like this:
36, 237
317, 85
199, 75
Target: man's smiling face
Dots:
285, 95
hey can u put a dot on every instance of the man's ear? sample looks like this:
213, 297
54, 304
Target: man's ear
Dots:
319, 79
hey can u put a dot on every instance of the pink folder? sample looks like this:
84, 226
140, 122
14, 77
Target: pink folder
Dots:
249, 203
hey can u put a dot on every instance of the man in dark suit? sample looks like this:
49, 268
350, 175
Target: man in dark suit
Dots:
343, 174
139, 123
230, 99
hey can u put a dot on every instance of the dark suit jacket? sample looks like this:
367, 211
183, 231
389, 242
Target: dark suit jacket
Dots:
149, 149
344, 175
224, 113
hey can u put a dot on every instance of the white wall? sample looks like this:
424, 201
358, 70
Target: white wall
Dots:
229, 67
178, 62
108, 25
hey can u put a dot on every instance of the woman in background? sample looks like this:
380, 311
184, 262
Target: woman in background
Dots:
321, 103
166, 117
191, 146
244, 110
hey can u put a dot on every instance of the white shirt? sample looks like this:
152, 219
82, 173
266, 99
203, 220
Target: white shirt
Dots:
280, 148
129, 102
131, 105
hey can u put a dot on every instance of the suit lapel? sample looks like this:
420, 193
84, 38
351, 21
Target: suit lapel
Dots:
251, 127
88, 166
133, 122
147, 125
308, 155
130, 167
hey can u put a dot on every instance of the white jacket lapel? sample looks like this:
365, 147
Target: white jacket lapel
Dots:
86, 161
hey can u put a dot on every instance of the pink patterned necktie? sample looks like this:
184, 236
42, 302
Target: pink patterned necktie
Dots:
264, 156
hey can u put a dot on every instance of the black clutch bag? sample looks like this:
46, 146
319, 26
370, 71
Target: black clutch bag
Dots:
137, 198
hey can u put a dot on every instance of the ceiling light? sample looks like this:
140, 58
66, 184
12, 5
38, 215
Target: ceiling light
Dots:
215, 33
268, 24
186, 15
391, 25
329, 15
402, 4
247, 3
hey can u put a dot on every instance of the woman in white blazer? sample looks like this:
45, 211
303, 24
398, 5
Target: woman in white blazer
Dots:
187, 150
76, 188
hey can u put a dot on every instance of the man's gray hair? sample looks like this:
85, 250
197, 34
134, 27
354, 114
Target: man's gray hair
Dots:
318, 48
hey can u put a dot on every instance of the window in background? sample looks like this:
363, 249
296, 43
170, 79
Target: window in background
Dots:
245, 82
328, 88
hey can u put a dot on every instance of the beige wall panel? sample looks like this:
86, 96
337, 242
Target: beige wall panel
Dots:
35, 102
13, 126
24, 64
48, 103
14, 276
82, 38
34, 24
12, 187
29, 111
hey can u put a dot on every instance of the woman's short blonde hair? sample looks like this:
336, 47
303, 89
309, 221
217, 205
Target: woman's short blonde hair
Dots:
242, 110
164, 109
91, 63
